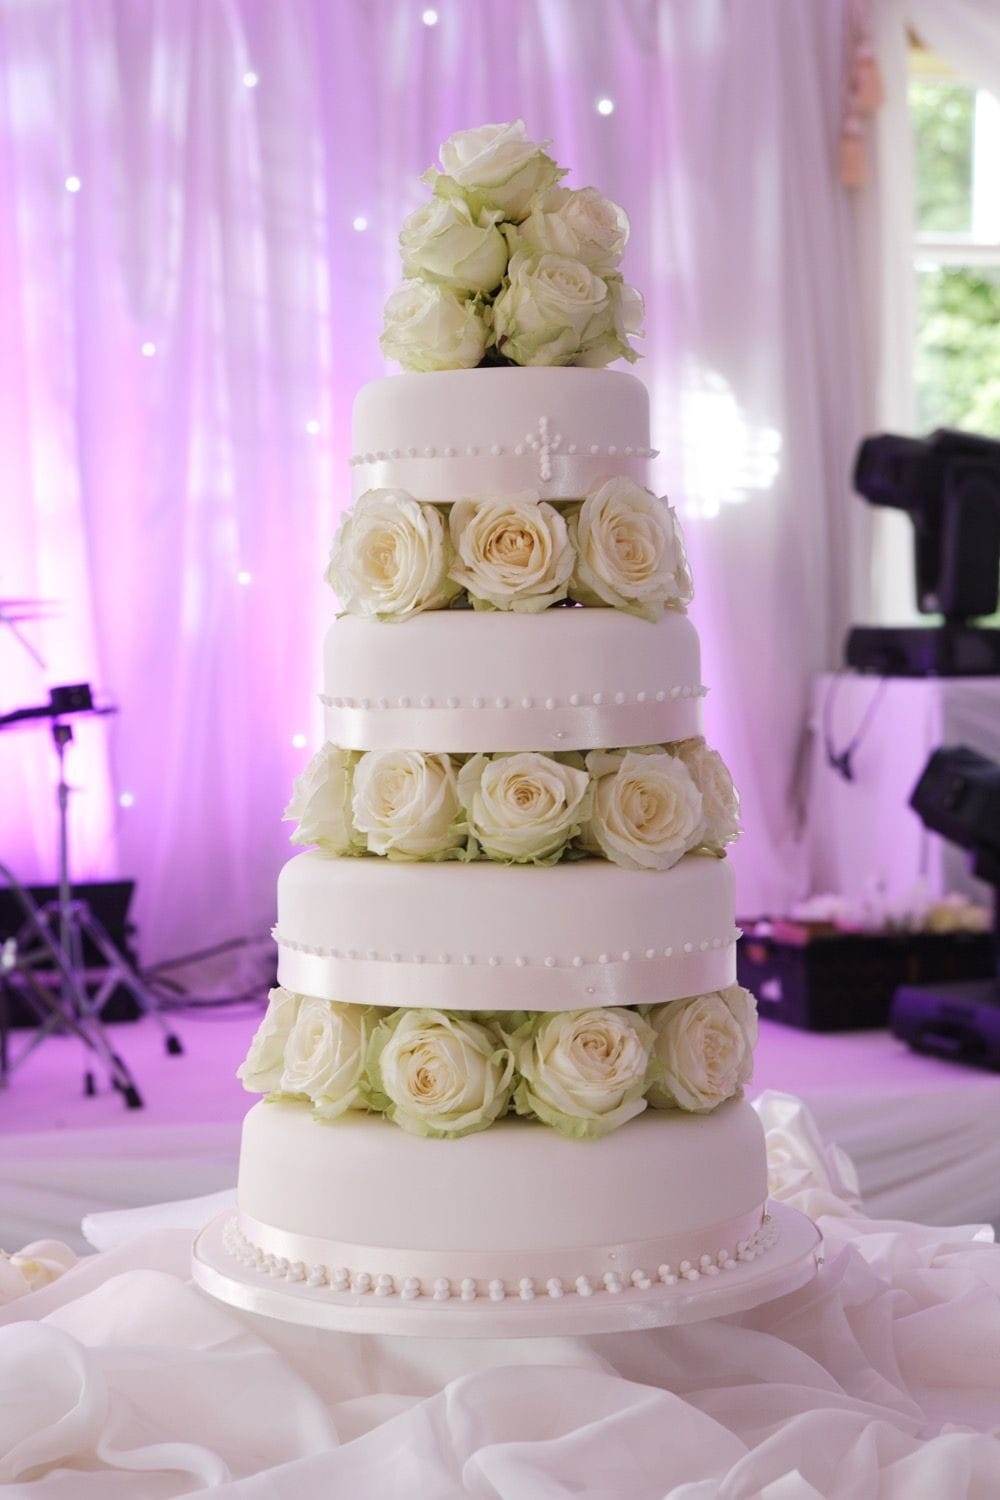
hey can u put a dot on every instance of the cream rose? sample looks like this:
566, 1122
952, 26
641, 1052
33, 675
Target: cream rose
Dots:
407, 804
584, 225
608, 338
702, 1049
720, 799
35, 1266
260, 1072
441, 241
437, 1074
494, 167
512, 554
390, 558
629, 551
524, 807
429, 327
321, 802
325, 1056
583, 1072
647, 810
551, 308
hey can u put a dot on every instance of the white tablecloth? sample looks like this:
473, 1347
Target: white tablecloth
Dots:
878, 1381
862, 833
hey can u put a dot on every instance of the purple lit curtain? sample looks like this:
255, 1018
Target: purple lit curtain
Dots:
181, 338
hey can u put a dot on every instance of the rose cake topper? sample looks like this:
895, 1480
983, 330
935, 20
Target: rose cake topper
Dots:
505, 266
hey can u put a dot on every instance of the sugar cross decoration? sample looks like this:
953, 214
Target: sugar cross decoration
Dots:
544, 445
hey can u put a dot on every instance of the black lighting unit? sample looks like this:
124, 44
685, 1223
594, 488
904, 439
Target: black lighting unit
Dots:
958, 796
949, 486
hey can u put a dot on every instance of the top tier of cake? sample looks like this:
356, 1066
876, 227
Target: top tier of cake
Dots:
460, 434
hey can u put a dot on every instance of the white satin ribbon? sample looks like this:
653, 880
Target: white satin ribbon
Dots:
482, 986
571, 476
509, 1266
464, 730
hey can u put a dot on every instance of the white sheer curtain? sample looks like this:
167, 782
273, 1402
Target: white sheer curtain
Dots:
216, 223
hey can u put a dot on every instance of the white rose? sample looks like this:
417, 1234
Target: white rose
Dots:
647, 810
512, 553
390, 557
629, 551
325, 1056
702, 1049
261, 1070
524, 807
608, 337
407, 804
321, 802
437, 1074
583, 1071
551, 309
35, 1266
720, 799
583, 225
494, 167
429, 327
441, 241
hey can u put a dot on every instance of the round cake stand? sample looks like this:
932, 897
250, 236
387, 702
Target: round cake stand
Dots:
789, 1264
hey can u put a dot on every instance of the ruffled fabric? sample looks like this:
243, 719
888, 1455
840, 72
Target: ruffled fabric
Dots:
877, 1381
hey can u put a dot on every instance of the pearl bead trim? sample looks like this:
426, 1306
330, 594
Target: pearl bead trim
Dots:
521, 961
537, 445
341, 1279
574, 700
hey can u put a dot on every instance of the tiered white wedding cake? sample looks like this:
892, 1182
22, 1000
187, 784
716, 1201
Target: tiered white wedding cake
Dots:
505, 1065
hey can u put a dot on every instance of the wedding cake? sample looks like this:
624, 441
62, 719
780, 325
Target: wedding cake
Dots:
504, 1065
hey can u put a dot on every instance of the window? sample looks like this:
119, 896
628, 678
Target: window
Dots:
957, 251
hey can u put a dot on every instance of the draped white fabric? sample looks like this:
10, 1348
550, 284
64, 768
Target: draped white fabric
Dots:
214, 225
877, 1381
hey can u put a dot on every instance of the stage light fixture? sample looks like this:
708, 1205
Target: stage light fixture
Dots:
949, 486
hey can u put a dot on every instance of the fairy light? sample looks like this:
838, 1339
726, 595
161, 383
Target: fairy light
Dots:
605, 106
73, 184
250, 79
429, 17
312, 427
126, 799
360, 223
148, 349
298, 742
244, 577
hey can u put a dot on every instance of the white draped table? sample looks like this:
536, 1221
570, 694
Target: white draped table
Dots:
878, 1381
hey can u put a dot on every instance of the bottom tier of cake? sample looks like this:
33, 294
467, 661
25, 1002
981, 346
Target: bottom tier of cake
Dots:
356, 1205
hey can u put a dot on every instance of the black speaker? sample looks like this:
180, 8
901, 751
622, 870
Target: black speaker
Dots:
109, 900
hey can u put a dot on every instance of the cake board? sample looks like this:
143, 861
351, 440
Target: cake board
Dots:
786, 1266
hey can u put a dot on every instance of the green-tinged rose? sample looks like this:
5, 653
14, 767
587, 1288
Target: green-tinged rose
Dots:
608, 338
260, 1072
321, 802
524, 807
702, 1049
430, 327
550, 310
495, 169
584, 1071
441, 241
438, 1074
407, 804
325, 1056
513, 553
583, 225
629, 551
720, 799
647, 811
391, 557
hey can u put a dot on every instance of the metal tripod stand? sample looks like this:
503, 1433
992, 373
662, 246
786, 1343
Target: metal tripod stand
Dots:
55, 934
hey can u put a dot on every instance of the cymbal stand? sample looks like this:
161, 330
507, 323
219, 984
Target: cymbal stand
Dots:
67, 1011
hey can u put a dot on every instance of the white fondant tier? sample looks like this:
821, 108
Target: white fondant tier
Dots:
467, 434
381, 1211
467, 680
488, 936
